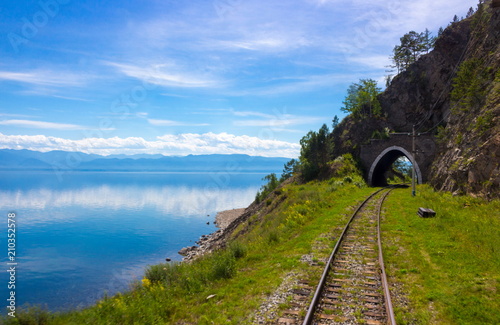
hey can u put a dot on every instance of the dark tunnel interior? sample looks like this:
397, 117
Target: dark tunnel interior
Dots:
379, 173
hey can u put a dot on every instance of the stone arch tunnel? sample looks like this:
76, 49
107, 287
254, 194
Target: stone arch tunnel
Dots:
378, 156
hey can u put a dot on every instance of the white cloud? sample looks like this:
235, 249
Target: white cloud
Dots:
267, 42
252, 113
374, 61
73, 98
18, 115
45, 78
181, 144
42, 125
178, 200
295, 85
168, 75
279, 122
157, 122
231, 144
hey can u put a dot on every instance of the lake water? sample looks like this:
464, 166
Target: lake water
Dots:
81, 234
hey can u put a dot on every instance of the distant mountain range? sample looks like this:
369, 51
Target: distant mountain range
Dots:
77, 161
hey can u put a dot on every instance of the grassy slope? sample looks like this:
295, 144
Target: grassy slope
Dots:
448, 266
271, 249
441, 282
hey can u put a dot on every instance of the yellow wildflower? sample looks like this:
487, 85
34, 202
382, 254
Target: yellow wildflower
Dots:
145, 282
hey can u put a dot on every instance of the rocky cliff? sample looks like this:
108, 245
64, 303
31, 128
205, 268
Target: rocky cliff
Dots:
453, 93
469, 159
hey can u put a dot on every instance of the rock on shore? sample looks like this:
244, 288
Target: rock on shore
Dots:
207, 243
224, 218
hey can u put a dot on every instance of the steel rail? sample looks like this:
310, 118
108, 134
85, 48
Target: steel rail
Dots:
317, 295
387, 295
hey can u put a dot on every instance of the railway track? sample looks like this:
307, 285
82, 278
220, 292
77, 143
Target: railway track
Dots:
353, 288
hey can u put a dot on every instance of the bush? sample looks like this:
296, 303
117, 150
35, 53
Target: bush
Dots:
223, 266
157, 273
273, 237
238, 250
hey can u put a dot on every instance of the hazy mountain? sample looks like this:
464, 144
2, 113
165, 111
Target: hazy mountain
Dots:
77, 161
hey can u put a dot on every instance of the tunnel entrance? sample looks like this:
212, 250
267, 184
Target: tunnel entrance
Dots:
382, 164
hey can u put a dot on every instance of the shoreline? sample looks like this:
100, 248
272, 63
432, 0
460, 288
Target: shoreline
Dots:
224, 218
207, 243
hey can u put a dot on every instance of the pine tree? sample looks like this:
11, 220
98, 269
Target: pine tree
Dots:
335, 122
288, 169
470, 12
440, 31
412, 46
428, 41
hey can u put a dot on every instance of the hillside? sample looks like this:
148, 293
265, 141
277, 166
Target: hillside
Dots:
452, 92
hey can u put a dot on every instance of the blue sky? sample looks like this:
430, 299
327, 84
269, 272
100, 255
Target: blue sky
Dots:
192, 77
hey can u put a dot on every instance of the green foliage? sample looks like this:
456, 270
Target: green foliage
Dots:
402, 170
314, 153
223, 266
361, 99
480, 20
266, 189
413, 45
193, 277
442, 134
470, 12
31, 315
484, 122
288, 169
440, 31
345, 166
273, 237
469, 86
384, 134
335, 122
238, 250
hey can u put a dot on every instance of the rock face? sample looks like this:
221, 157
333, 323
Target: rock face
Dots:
469, 161
452, 92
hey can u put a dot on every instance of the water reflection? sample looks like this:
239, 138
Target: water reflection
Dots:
95, 232
181, 200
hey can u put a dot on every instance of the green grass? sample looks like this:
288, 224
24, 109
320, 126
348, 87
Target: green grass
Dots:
448, 267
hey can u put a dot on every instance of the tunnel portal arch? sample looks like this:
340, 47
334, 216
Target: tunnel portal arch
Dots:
376, 175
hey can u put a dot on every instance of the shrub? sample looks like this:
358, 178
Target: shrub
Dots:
238, 250
223, 266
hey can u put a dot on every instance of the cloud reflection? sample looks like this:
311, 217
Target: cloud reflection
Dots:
172, 200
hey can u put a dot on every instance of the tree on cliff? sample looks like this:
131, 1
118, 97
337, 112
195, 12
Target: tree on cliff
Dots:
413, 46
288, 169
271, 185
314, 153
361, 99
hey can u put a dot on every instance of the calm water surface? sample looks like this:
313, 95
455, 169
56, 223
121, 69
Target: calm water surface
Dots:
87, 233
